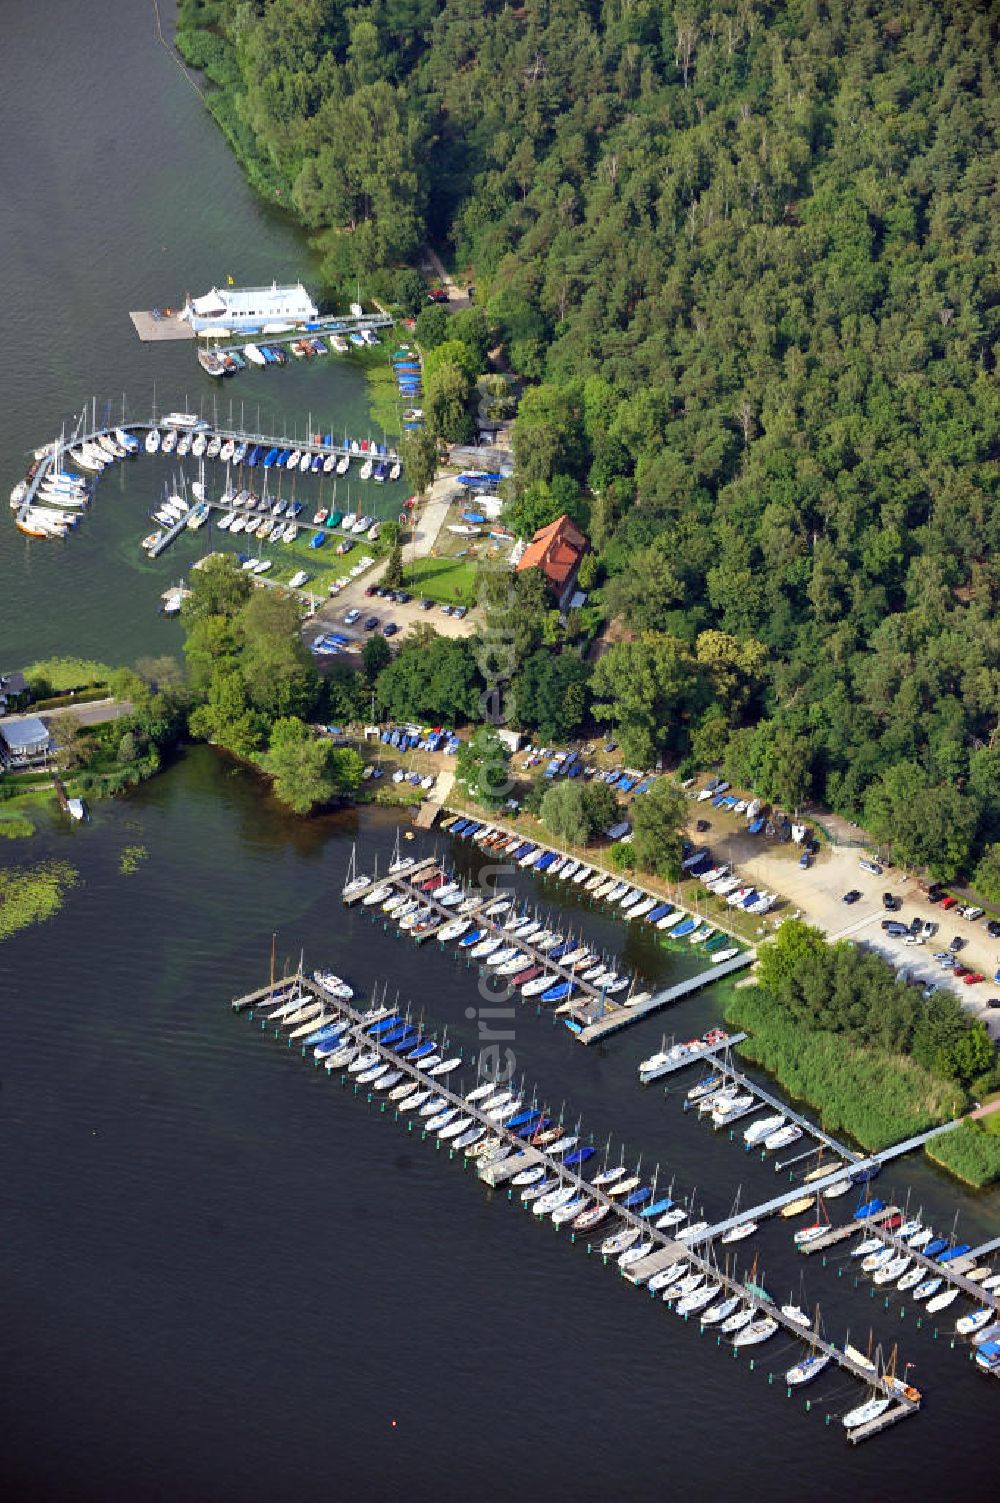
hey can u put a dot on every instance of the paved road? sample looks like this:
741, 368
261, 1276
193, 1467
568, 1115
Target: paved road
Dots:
93, 712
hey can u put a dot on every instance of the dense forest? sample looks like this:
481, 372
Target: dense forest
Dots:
745, 257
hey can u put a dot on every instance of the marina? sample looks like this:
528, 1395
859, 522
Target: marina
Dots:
594, 1014
39, 501
519, 1154
545, 964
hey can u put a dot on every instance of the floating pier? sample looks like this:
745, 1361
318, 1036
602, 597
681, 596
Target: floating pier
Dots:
708, 1051
597, 1016
610, 1018
665, 1250
986, 1298
410, 881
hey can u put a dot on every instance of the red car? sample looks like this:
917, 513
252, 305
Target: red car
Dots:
972, 978
948, 902
437, 294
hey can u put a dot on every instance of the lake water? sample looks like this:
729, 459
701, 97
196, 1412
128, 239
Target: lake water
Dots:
225, 1276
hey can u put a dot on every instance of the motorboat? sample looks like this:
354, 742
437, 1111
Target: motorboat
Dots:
783, 1136
967, 1325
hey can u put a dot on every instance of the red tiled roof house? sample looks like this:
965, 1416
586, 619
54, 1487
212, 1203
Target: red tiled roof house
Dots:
556, 550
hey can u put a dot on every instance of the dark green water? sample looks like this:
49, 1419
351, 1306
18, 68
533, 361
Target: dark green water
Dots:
120, 193
223, 1275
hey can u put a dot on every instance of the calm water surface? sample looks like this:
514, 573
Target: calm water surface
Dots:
223, 1275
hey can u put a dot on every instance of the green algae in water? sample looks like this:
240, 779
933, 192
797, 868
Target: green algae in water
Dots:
132, 858
31, 894
15, 827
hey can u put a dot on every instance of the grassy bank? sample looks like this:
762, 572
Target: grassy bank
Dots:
971, 1152
31, 894
875, 1097
53, 677
385, 403
450, 581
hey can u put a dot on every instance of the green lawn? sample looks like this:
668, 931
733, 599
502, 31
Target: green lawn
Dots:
450, 581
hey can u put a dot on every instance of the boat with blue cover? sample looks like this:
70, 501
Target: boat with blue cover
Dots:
558, 993
657, 1208
637, 1198
578, 1156
955, 1252
472, 938
686, 926
871, 1208
933, 1248
421, 1051
383, 1025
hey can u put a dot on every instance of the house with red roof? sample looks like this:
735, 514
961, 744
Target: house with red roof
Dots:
556, 550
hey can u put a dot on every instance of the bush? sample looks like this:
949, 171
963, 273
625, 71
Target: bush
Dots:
970, 1151
876, 1097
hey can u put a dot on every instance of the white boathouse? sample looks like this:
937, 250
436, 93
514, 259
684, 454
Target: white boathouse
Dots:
242, 309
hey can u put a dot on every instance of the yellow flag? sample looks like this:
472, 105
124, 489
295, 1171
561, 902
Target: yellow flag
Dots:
230, 282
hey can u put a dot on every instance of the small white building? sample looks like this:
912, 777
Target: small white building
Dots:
250, 308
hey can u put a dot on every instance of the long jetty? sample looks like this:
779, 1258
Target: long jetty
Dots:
664, 1250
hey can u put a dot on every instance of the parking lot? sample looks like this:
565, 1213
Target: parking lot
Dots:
401, 614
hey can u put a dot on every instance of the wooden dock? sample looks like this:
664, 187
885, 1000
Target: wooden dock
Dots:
409, 882
609, 1018
694, 1058
838, 1234
736, 1077
155, 330
986, 1298
665, 1249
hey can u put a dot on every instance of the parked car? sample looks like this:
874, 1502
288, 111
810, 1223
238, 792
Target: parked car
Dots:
890, 903
948, 902
852, 896
909, 938
446, 610
351, 616
460, 612
371, 623
928, 928
390, 629
371, 590
993, 1001
895, 928
426, 605
403, 597
956, 944
868, 865
993, 928
971, 912
701, 825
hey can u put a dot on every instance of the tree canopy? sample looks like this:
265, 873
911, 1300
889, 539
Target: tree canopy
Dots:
742, 260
